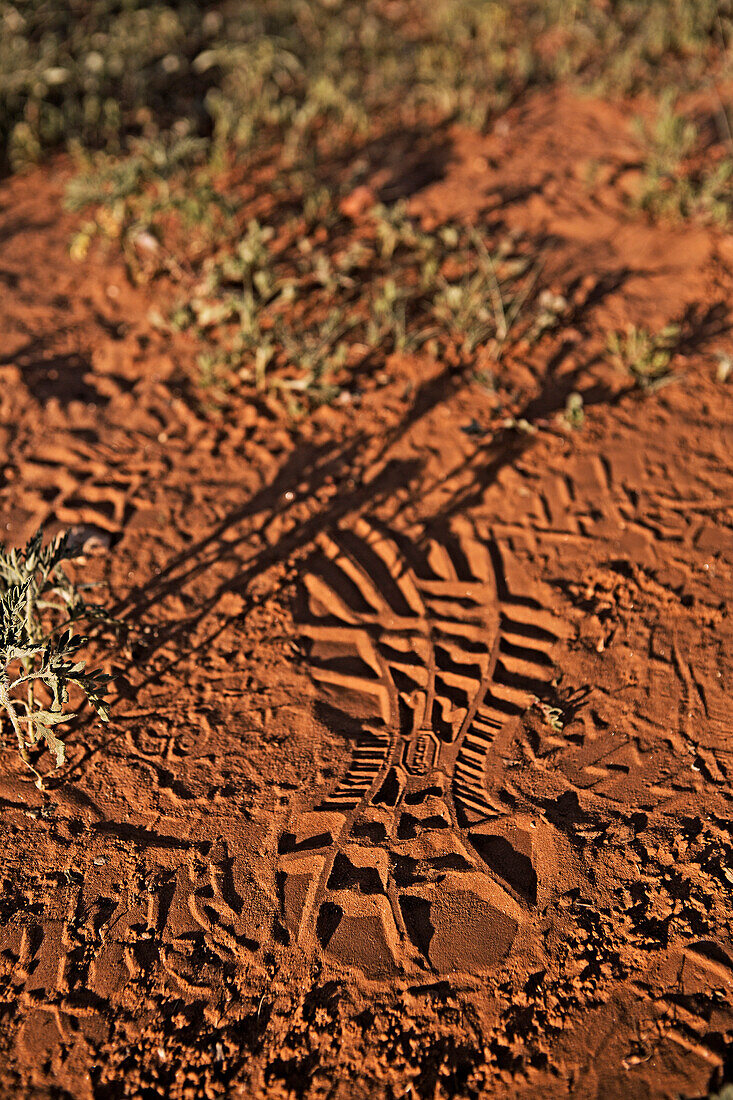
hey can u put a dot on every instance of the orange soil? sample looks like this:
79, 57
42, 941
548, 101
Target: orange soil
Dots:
328, 846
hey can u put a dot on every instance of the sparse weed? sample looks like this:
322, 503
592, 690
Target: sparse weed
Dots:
485, 302
553, 716
387, 325
670, 186
244, 276
550, 309
39, 605
669, 139
399, 286
319, 355
133, 199
395, 230
106, 181
574, 415
644, 355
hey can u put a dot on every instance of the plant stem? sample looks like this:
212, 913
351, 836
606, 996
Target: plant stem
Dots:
29, 625
7, 703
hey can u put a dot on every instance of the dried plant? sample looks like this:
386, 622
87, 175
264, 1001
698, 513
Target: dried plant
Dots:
645, 356
39, 606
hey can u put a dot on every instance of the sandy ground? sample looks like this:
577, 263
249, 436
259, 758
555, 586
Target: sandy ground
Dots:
331, 845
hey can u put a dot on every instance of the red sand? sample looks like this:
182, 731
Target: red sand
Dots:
329, 846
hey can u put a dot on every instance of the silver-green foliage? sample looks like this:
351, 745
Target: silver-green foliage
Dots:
39, 607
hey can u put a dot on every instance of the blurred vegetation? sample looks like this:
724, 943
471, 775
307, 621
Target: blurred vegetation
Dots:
100, 72
645, 356
299, 320
682, 177
181, 115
